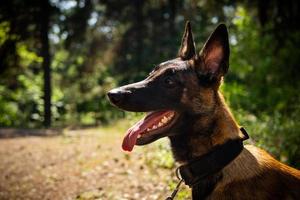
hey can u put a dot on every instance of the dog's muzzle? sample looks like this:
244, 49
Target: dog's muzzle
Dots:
116, 96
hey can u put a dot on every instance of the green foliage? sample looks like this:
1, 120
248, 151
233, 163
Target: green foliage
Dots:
161, 158
259, 92
4, 32
8, 110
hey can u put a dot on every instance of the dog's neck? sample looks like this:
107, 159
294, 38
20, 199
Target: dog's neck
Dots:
204, 132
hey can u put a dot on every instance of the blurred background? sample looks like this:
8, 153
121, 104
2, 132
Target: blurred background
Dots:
58, 58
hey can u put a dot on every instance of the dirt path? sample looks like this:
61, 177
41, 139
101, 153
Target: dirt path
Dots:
83, 164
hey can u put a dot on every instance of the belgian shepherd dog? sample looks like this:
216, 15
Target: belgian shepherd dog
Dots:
182, 100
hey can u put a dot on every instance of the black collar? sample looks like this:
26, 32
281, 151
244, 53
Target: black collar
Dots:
208, 165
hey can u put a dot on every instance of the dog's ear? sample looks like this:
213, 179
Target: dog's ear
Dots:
187, 49
214, 55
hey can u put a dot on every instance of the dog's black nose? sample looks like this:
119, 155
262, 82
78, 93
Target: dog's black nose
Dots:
115, 96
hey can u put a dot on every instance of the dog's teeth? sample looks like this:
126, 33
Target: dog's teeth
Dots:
162, 122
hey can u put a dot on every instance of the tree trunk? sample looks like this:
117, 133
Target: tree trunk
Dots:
45, 15
139, 21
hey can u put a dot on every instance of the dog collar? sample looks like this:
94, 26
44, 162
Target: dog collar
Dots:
202, 174
212, 162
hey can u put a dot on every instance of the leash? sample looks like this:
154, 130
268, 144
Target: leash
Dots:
196, 171
175, 191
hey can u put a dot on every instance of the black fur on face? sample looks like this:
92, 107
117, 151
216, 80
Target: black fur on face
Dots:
162, 89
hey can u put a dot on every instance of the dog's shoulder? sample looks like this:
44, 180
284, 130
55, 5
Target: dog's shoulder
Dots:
255, 174
264, 162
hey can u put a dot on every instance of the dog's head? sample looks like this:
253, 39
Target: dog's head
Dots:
176, 89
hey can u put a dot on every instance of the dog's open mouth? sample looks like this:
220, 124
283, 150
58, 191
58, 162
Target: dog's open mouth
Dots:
148, 129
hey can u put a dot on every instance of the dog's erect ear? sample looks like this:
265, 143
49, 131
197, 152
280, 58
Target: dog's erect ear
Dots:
187, 49
215, 53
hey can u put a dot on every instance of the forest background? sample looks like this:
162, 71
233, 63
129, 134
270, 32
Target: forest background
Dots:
58, 58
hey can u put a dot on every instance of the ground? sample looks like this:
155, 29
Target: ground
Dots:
83, 164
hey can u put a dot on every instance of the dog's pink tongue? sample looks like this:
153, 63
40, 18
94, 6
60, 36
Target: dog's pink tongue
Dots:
132, 134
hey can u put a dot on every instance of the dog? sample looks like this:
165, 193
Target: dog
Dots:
183, 103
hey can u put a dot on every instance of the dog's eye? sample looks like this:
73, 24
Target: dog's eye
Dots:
169, 82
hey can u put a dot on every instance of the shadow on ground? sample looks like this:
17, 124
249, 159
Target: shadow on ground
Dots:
13, 133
